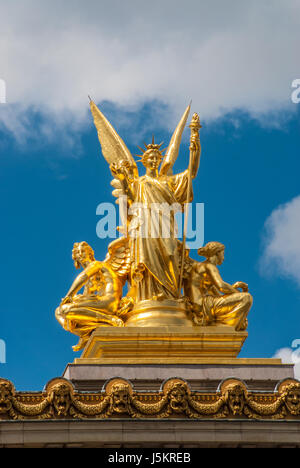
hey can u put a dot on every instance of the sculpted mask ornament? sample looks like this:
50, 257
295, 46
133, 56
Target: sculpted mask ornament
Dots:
6, 395
235, 396
291, 396
177, 392
120, 396
60, 396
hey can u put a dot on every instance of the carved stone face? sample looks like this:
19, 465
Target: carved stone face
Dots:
61, 398
6, 394
292, 398
178, 398
235, 396
120, 398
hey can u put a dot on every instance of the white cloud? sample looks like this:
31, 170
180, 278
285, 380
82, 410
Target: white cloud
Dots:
282, 241
290, 356
223, 55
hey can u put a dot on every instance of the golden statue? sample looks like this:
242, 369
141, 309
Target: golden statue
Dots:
103, 284
165, 286
213, 300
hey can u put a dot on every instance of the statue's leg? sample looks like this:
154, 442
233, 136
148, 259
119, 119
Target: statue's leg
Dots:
232, 309
84, 331
82, 321
60, 315
105, 304
92, 316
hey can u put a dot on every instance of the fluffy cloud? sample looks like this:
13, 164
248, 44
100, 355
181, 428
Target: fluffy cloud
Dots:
223, 55
290, 356
282, 247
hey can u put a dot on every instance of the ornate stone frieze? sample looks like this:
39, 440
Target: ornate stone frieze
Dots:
175, 399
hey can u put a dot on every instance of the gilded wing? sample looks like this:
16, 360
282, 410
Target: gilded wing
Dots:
118, 256
174, 145
113, 147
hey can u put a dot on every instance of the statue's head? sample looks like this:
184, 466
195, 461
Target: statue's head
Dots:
152, 156
213, 251
82, 253
6, 395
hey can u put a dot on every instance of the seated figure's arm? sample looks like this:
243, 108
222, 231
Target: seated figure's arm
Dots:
218, 282
81, 279
78, 283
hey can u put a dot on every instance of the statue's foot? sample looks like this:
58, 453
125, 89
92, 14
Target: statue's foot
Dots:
243, 326
125, 306
160, 297
117, 322
81, 344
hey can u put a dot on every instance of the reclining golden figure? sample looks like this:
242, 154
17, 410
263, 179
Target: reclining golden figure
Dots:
103, 283
214, 301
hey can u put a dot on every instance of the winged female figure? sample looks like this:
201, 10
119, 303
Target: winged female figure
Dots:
152, 200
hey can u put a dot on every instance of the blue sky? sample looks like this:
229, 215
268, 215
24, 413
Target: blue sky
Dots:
53, 176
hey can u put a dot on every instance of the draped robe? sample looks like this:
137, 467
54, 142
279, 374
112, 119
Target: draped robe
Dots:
155, 249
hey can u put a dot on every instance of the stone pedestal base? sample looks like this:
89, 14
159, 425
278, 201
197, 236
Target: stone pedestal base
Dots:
203, 356
161, 345
258, 374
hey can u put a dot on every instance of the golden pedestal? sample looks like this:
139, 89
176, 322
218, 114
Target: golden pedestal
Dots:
167, 313
162, 345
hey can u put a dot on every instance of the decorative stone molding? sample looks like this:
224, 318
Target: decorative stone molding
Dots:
118, 399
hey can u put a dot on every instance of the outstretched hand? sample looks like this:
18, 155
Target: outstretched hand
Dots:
119, 169
116, 170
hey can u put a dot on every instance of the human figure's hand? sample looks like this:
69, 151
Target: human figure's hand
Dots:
240, 284
119, 169
66, 300
116, 171
126, 304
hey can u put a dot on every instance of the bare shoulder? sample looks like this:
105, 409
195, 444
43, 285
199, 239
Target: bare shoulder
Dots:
211, 268
93, 267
